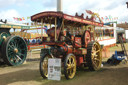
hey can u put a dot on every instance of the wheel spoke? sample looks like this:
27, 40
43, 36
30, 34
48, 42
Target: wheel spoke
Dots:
21, 45
94, 64
95, 56
20, 54
10, 47
68, 66
11, 43
18, 57
10, 50
13, 59
46, 72
73, 63
97, 51
97, 59
10, 54
69, 61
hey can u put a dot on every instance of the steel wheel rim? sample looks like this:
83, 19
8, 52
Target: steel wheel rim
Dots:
71, 66
96, 55
45, 66
16, 50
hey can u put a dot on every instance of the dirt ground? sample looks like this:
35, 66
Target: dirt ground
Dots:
28, 74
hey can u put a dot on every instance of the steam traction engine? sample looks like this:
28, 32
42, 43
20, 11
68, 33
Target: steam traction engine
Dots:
71, 39
13, 49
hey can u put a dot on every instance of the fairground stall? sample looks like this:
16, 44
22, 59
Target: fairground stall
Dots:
106, 35
123, 31
33, 37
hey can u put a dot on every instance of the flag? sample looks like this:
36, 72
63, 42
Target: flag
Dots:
102, 18
20, 19
106, 18
45, 28
110, 17
28, 17
14, 18
23, 18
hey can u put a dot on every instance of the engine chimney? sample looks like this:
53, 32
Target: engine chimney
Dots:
127, 4
59, 5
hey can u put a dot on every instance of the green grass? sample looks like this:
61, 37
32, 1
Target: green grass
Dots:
118, 47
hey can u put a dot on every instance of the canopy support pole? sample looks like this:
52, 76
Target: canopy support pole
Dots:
50, 23
55, 29
42, 30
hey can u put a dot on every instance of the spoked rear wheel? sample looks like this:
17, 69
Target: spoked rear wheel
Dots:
44, 65
94, 57
70, 66
14, 50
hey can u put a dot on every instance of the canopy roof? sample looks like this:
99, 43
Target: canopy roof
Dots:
69, 20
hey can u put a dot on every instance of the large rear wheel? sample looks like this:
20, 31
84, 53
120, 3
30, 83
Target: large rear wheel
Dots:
14, 50
70, 66
94, 57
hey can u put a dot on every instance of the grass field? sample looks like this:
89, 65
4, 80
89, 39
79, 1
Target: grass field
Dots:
118, 47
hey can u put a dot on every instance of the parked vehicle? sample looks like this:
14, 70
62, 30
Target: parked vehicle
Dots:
70, 38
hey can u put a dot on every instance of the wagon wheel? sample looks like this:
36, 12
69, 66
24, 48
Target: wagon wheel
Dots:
86, 38
70, 66
94, 57
44, 65
14, 50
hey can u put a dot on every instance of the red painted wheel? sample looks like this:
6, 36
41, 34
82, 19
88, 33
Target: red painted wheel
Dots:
86, 38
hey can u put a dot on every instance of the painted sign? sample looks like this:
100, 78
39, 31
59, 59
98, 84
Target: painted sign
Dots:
14, 26
54, 69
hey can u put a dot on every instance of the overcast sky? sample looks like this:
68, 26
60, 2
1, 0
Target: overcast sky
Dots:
24, 8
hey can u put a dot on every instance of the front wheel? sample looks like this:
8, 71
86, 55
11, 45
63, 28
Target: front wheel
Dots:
44, 65
70, 66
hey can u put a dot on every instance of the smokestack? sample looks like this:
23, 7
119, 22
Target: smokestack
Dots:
127, 4
59, 5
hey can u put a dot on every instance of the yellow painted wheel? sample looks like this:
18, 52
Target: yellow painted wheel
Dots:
70, 66
94, 57
44, 65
